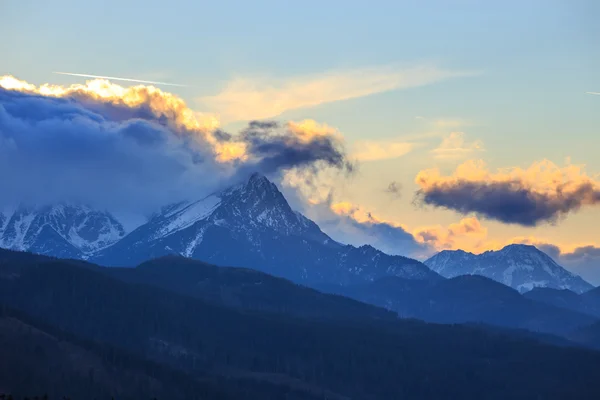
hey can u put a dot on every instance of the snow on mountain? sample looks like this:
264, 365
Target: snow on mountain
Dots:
63, 230
521, 267
252, 225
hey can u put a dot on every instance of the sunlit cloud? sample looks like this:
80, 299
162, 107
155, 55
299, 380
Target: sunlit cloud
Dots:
247, 98
454, 236
468, 234
541, 193
595, 93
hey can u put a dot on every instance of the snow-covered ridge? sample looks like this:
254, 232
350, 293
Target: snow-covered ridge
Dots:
80, 227
185, 214
522, 267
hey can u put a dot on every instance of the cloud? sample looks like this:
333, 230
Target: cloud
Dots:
303, 144
394, 189
256, 98
454, 146
453, 236
542, 193
352, 224
139, 147
361, 226
365, 151
596, 93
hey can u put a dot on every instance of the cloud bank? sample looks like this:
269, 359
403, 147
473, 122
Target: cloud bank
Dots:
542, 193
138, 147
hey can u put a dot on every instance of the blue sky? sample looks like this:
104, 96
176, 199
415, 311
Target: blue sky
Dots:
510, 77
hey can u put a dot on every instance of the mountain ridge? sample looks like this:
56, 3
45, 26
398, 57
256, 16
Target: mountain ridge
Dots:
252, 225
63, 230
522, 267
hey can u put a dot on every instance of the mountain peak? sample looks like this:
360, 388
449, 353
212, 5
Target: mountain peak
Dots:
260, 184
520, 266
519, 247
257, 177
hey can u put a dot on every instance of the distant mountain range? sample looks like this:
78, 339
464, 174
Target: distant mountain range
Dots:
466, 299
519, 266
252, 225
248, 225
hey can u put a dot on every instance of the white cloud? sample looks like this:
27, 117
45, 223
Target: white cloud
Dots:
454, 146
380, 150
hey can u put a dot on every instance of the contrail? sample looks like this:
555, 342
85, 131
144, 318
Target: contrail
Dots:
119, 79
596, 93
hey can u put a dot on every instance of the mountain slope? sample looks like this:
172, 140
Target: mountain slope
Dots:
377, 360
521, 267
63, 230
587, 302
245, 289
465, 299
252, 225
38, 359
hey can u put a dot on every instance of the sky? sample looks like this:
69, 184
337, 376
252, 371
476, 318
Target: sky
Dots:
413, 126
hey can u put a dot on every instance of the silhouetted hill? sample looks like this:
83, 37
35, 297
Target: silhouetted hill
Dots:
467, 298
38, 359
588, 336
245, 289
370, 360
587, 302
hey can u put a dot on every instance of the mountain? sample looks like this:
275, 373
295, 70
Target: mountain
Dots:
588, 336
587, 302
38, 359
467, 299
252, 225
209, 342
245, 289
64, 230
519, 266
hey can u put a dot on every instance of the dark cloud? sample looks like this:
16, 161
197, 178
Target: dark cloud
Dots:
509, 202
277, 147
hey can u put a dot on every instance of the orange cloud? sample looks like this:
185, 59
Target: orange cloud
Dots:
359, 214
467, 234
454, 236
